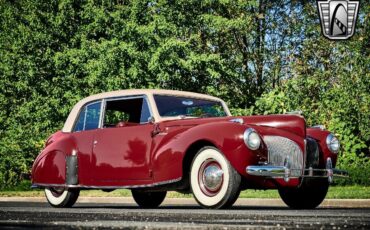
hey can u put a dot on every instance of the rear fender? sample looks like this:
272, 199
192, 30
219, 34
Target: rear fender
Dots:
50, 165
49, 168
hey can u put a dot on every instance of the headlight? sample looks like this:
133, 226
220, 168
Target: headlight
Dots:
333, 143
252, 139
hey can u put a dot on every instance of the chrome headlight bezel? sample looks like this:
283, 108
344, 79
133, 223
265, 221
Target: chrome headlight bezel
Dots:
332, 143
251, 139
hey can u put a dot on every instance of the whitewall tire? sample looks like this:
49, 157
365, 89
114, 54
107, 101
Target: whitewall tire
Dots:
214, 182
60, 197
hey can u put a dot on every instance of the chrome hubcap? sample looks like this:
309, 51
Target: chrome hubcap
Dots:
210, 177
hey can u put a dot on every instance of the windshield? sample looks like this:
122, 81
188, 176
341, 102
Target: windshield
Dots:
172, 106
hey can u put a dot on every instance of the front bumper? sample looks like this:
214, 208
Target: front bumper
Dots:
285, 172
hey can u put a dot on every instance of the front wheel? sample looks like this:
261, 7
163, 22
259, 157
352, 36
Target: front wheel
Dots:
148, 199
308, 196
214, 182
61, 197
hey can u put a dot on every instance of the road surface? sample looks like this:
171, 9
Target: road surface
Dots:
178, 215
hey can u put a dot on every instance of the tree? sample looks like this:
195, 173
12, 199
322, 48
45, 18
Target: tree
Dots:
268, 53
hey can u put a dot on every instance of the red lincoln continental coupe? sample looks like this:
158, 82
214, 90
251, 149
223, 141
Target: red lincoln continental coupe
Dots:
154, 141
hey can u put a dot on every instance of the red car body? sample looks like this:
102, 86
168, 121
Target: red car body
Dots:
157, 155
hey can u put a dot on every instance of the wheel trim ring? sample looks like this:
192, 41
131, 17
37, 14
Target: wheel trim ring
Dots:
202, 177
56, 200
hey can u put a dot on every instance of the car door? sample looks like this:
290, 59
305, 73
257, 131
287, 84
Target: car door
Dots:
121, 148
83, 134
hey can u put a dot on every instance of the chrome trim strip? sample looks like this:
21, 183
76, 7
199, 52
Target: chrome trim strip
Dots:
237, 120
102, 113
304, 155
38, 185
322, 127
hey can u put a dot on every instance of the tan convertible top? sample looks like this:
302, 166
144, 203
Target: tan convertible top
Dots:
68, 125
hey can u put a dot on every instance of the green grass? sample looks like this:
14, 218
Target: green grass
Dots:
335, 192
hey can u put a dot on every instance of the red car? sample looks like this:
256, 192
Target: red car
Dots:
154, 141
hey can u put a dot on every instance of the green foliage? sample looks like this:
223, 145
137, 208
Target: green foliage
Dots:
23, 185
53, 53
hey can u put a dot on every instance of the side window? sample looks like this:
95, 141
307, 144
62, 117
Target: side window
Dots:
89, 117
81, 121
92, 116
145, 112
126, 112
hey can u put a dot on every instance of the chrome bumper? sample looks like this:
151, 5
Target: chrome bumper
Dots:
285, 172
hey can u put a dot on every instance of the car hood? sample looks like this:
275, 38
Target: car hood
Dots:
291, 123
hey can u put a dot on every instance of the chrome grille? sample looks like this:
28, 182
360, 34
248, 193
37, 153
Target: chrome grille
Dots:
281, 149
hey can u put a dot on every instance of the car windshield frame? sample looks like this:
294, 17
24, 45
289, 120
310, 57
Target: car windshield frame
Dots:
187, 102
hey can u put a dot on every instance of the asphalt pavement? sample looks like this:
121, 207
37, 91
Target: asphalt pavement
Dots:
122, 213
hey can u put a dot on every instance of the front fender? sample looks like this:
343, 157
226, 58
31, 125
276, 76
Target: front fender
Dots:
169, 155
320, 136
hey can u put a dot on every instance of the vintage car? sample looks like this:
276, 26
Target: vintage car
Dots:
154, 141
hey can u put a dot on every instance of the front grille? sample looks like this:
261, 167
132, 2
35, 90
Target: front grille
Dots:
281, 149
312, 153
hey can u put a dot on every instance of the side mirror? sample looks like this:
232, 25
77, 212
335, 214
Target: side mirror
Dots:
151, 120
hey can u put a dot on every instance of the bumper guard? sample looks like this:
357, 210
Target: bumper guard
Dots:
285, 172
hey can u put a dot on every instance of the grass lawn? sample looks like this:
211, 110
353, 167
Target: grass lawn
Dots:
335, 192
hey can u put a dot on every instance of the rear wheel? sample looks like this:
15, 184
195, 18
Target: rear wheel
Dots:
61, 197
214, 182
148, 199
308, 196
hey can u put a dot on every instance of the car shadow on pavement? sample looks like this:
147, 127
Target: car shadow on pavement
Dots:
195, 207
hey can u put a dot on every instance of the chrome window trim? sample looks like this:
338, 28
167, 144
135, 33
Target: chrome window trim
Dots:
102, 113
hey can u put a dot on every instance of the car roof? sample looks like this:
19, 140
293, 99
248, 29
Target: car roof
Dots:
68, 125
133, 92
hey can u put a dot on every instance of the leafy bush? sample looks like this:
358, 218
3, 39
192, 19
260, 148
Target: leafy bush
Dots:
53, 53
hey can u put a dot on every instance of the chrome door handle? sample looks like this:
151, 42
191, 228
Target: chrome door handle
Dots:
95, 142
